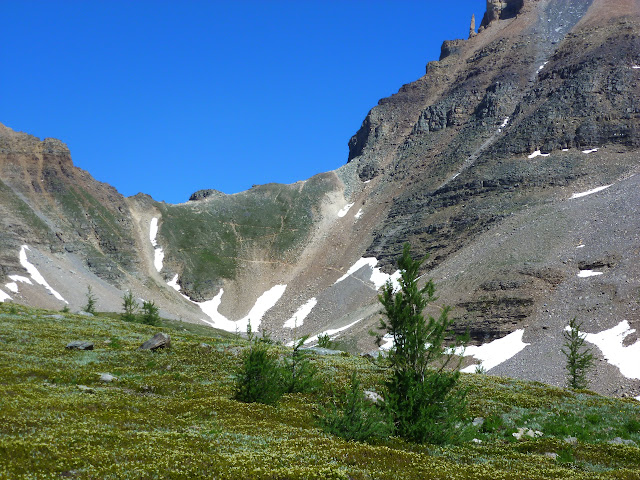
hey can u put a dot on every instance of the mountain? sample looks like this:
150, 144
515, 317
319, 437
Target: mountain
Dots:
512, 162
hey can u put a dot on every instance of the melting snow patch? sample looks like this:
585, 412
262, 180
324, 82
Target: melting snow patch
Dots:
580, 246
635, 67
174, 283
4, 296
378, 277
494, 353
301, 314
345, 209
332, 333
505, 122
359, 214
388, 342
588, 273
35, 274
541, 67
158, 253
589, 192
590, 151
610, 342
265, 302
538, 153
565, 149
13, 286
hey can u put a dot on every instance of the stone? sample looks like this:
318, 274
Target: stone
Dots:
622, 441
472, 27
85, 389
478, 422
373, 397
523, 431
107, 378
476, 440
79, 345
571, 440
159, 340
552, 455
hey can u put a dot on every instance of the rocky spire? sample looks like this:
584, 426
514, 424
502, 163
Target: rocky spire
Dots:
472, 28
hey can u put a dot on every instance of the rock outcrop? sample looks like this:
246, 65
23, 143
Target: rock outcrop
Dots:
500, 9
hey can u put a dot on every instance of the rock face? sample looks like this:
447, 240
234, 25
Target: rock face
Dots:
499, 9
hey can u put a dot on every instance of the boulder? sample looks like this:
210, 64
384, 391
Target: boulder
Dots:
159, 340
79, 345
373, 397
107, 378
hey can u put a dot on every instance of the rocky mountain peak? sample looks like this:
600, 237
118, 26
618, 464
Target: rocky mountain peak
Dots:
500, 9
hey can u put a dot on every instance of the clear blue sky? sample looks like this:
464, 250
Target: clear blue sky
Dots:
167, 98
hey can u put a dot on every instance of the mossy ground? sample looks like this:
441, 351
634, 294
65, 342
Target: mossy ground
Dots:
171, 415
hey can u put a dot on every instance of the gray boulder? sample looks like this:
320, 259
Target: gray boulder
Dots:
159, 340
79, 345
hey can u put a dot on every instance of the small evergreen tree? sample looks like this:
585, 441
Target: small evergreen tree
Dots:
90, 306
129, 307
579, 357
150, 314
422, 394
298, 373
259, 379
357, 419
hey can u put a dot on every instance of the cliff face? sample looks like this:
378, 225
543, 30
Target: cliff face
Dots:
476, 164
68, 211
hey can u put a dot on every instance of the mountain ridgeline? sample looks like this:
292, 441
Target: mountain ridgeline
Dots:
512, 163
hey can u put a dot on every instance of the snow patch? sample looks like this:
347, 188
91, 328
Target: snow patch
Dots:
635, 67
332, 333
13, 286
359, 214
538, 153
158, 256
264, 303
345, 209
388, 342
610, 342
589, 192
541, 67
20, 278
378, 277
35, 274
4, 296
174, 283
580, 246
494, 353
590, 151
504, 124
298, 318
588, 273
565, 149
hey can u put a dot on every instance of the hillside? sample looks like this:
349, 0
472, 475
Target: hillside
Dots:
170, 414
512, 162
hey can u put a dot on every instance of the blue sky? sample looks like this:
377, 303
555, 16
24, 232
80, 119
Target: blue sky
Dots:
167, 98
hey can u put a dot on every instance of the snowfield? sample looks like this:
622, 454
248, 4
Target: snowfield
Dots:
378, 277
588, 273
298, 318
158, 256
496, 352
265, 302
538, 153
174, 283
611, 344
345, 209
332, 333
589, 192
35, 274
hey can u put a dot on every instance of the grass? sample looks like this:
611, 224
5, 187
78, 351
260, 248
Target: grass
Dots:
171, 414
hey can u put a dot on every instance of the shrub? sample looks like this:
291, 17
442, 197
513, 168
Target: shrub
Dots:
129, 307
150, 314
324, 341
259, 379
422, 394
298, 373
357, 419
90, 306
